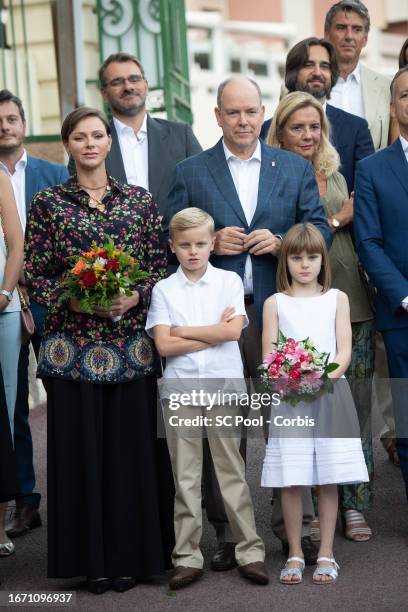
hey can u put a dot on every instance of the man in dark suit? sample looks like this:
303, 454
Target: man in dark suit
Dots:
381, 228
144, 150
255, 193
286, 191
311, 66
28, 175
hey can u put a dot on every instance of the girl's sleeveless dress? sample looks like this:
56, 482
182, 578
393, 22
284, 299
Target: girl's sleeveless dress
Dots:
322, 454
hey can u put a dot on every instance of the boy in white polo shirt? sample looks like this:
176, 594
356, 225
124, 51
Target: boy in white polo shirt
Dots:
196, 318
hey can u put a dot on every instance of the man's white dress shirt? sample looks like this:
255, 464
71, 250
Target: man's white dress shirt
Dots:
134, 149
18, 182
347, 94
245, 174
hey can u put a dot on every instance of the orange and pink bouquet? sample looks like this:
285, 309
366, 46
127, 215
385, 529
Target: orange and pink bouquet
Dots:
99, 274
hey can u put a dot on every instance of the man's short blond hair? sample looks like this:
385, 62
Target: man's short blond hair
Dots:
189, 218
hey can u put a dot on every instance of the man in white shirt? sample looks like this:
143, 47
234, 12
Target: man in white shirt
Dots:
196, 317
28, 175
358, 90
381, 229
145, 150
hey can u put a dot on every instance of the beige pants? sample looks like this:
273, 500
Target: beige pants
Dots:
250, 345
186, 454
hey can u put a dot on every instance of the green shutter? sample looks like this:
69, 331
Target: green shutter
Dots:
155, 31
175, 59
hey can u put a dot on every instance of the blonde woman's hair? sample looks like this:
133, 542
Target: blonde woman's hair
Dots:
189, 218
303, 237
327, 160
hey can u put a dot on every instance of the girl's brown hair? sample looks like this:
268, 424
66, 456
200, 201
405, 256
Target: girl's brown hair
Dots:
303, 237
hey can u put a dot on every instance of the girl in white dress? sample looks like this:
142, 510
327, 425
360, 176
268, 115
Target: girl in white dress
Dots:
307, 307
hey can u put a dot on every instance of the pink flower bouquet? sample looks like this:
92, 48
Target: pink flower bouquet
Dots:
297, 370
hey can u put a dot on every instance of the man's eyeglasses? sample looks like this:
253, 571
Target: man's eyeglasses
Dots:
119, 81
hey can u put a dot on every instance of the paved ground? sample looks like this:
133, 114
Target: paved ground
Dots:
373, 575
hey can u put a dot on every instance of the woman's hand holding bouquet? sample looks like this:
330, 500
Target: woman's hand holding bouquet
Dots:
100, 281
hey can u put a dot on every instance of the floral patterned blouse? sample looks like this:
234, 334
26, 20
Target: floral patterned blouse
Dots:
83, 347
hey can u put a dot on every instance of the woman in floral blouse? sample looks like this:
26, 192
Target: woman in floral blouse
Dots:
109, 478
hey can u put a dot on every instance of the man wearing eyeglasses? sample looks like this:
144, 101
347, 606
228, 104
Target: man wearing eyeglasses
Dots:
145, 150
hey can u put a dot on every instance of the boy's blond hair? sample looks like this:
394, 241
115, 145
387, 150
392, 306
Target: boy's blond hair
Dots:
189, 218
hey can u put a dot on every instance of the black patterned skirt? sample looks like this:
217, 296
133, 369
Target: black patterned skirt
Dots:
110, 485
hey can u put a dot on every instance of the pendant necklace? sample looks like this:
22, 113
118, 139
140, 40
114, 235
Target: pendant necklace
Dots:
93, 202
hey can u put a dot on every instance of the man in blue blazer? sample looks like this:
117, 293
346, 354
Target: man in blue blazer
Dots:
381, 228
311, 66
255, 193
28, 175
286, 191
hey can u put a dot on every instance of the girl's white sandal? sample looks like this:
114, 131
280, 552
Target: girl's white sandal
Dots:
326, 570
292, 571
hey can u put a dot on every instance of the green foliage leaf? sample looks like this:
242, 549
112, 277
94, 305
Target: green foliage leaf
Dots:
331, 367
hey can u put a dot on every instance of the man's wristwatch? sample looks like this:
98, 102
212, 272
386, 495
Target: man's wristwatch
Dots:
8, 294
335, 223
